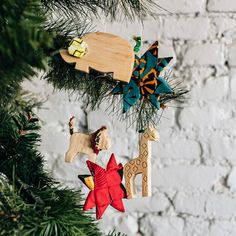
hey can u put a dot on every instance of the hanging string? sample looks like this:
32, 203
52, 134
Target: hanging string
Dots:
138, 44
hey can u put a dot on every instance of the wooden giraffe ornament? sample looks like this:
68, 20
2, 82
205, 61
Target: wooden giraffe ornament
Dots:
141, 164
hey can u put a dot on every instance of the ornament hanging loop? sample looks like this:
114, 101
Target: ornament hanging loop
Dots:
138, 44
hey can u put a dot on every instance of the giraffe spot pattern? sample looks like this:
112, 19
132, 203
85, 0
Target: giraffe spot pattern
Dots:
145, 178
127, 168
144, 145
135, 165
135, 168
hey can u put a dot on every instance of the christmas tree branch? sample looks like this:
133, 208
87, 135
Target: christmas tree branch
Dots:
60, 214
113, 9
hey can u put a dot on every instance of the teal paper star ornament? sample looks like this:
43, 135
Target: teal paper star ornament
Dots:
145, 82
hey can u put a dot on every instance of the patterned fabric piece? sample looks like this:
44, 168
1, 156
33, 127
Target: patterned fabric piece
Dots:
145, 81
87, 180
108, 189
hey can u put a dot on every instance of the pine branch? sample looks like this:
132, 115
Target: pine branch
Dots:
95, 87
32, 203
113, 9
60, 215
143, 113
22, 40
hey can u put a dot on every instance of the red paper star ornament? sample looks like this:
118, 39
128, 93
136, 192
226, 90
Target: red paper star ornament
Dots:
108, 189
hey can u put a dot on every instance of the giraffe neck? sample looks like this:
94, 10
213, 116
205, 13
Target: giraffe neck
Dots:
144, 147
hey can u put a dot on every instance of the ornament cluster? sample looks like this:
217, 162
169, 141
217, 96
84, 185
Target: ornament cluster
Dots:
139, 81
105, 184
144, 89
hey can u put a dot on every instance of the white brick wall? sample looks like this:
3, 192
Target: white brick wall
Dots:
194, 164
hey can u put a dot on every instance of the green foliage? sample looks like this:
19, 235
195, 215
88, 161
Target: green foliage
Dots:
113, 9
22, 40
31, 203
18, 139
143, 113
60, 213
93, 87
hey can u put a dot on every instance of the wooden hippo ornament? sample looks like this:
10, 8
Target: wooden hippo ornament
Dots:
106, 53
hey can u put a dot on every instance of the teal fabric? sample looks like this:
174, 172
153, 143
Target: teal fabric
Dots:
145, 81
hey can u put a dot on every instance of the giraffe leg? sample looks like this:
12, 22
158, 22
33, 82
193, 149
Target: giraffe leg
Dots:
129, 182
132, 187
146, 184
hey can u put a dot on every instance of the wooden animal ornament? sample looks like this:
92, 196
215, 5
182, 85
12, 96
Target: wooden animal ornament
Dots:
89, 144
141, 164
105, 53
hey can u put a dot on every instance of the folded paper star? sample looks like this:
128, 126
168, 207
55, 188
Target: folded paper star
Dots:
108, 189
145, 82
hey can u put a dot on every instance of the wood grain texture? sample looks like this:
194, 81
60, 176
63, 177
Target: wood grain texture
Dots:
141, 165
81, 143
106, 53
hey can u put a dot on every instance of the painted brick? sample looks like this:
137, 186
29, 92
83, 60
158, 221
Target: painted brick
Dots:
222, 147
221, 5
196, 226
221, 206
209, 116
221, 27
157, 203
231, 180
175, 176
171, 151
233, 84
187, 202
186, 28
206, 204
232, 54
214, 89
181, 6
204, 55
152, 29
223, 227
162, 226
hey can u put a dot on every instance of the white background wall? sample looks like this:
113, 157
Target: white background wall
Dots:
193, 165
